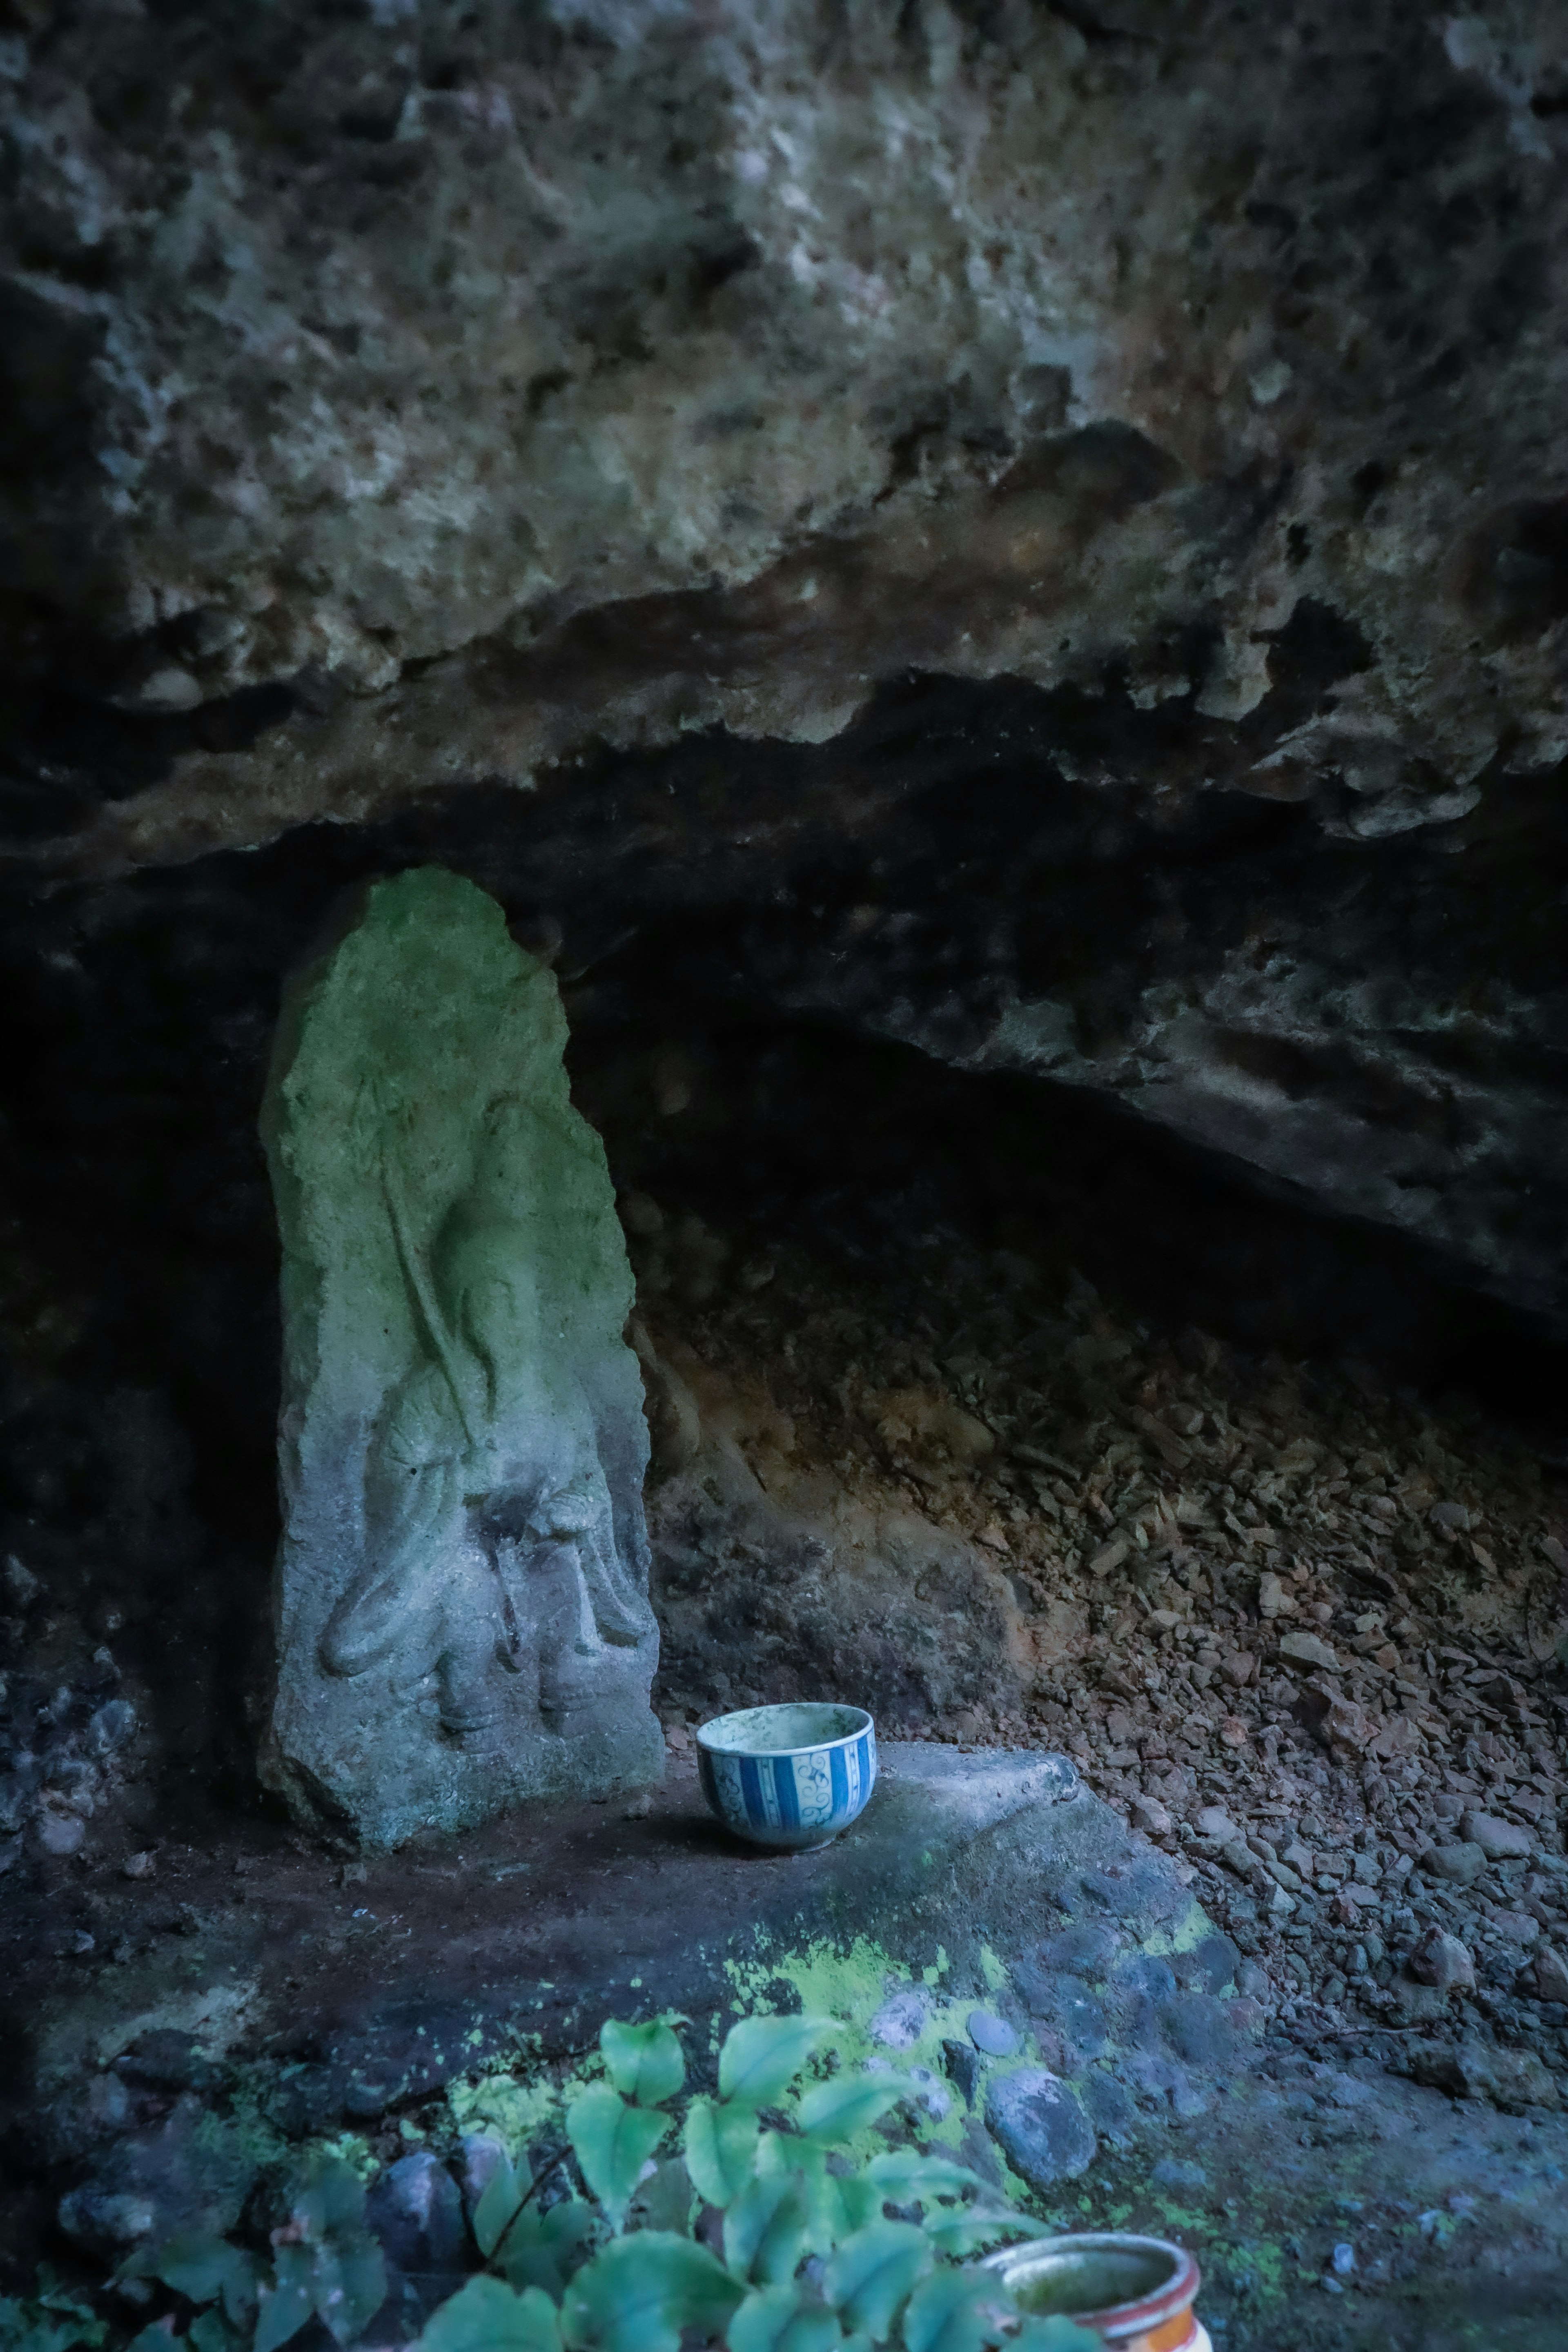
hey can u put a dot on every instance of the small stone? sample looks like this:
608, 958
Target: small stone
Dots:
59, 1833
139, 1865
1461, 1865
1551, 1976
1081, 1951
1179, 2172
640, 1810
1064, 2007
962, 2064
1109, 1555
1308, 1651
1214, 1822
20, 1582
1515, 1926
1499, 1840
1417, 2004
1041, 2128
1342, 2262
111, 1725
1239, 1667
1150, 1816
1512, 2079
1442, 1960
415, 2209
901, 2021
990, 2033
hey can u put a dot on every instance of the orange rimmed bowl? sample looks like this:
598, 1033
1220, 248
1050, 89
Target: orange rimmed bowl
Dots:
1136, 2294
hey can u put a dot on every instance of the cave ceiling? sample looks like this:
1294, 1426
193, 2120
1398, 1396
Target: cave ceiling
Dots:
1045, 526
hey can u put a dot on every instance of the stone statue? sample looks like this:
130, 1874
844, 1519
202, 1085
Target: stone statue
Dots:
463, 1619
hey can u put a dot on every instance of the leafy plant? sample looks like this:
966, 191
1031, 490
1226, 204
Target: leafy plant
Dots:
325, 2265
757, 2230
796, 2251
51, 2319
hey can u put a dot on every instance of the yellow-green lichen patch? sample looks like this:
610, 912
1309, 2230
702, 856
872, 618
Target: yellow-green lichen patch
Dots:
502, 2105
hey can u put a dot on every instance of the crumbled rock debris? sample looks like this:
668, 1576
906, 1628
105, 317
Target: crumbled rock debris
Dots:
1303, 1630
69, 1746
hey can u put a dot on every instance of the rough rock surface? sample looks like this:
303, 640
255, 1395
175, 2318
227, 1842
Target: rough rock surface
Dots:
1029, 340
406, 398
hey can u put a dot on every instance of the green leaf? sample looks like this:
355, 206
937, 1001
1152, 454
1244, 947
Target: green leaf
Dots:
1054, 2335
209, 2331
50, 2322
485, 2317
872, 2272
329, 2200
612, 2142
856, 2201
644, 2060
194, 2262
762, 2056
202, 2267
287, 2303
639, 2293
833, 2112
956, 2311
960, 2231
779, 2319
720, 2144
348, 2285
500, 2199
905, 2175
766, 2228
158, 2336
665, 2203
542, 2250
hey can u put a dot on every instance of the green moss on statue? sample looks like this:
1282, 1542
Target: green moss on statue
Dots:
463, 1615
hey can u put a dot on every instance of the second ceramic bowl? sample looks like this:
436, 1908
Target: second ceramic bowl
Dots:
788, 1776
1135, 2294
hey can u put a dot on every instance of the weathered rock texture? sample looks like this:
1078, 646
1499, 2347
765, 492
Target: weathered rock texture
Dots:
463, 1615
420, 397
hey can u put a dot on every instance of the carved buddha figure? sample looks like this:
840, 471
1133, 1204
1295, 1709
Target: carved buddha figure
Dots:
489, 1534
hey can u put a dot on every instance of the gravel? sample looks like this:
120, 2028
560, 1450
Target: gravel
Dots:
1301, 1628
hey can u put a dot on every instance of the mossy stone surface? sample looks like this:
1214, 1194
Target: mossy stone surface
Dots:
462, 1606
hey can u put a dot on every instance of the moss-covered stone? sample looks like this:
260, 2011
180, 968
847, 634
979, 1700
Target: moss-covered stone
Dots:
463, 1619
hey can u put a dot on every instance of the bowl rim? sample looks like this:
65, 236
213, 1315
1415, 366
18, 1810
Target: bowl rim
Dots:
1114, 2320
806, 1747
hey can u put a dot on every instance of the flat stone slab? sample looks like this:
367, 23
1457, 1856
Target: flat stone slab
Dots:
399, 1971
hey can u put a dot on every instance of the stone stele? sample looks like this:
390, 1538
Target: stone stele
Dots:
463, 1620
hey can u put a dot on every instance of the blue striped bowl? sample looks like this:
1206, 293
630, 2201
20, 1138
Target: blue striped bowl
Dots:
788, 1776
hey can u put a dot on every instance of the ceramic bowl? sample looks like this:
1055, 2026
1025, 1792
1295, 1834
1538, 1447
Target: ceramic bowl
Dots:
1134, 2294
788, 1776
